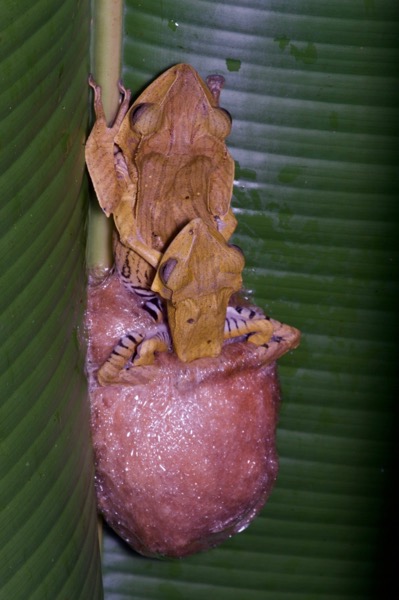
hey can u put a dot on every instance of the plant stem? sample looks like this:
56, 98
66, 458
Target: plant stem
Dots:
106, 53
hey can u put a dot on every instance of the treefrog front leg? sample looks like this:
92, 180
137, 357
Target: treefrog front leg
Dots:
129, 234
115, 190
105, 162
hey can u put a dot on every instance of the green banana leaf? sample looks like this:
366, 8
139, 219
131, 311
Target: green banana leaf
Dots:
48, 524
312, 87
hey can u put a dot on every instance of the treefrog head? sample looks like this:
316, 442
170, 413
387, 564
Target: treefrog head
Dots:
175, 111
196, 276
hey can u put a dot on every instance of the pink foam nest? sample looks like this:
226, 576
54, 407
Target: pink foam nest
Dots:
185, 453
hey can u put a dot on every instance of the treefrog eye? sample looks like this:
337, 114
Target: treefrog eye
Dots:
220, 122
144, 117
166, 270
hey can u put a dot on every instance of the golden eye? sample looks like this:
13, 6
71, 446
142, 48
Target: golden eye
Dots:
144, 118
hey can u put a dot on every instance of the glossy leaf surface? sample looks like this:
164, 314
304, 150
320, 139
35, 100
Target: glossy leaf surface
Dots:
48, 523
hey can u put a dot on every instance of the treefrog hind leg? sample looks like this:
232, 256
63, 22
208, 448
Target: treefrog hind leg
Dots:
241, 321
149, 347
135, 348
120, 356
